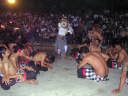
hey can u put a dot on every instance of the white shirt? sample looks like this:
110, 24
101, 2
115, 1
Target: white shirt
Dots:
64, 31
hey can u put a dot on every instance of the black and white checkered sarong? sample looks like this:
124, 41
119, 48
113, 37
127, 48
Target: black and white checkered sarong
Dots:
90, 74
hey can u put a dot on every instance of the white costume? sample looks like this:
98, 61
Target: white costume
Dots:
61, 42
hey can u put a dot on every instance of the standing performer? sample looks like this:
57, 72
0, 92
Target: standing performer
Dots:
61, 43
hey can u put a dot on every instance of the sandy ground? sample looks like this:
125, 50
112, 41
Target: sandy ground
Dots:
63, 81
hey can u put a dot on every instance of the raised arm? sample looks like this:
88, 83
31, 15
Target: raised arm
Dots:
120, 58
122, 81
6, 73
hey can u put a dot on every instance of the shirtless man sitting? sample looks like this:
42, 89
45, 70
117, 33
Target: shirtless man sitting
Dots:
98, 69
25, 72
95, 33
8, 70
43, 59
11, 73
123, 59
40, 58
95, 46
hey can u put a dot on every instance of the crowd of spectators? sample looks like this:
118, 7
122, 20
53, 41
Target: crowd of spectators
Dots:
27, 26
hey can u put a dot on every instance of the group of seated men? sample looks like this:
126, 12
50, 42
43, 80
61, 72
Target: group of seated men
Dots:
19, 64
95, 60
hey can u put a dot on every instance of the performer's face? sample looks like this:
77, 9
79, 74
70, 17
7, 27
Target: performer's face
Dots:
64, 24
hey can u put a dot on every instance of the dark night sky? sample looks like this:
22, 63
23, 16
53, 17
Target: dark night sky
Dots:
70, 4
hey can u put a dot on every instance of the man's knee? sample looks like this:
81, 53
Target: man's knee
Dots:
5, 86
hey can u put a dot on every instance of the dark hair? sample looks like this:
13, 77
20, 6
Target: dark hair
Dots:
16, 48
74, 51
2, 51
51, 58
120, 44
98, 40
84, 49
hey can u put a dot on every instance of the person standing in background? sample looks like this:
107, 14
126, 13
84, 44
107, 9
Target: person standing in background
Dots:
61, 43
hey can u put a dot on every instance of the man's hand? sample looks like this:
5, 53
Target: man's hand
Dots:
6, 80
116, 91
31, 69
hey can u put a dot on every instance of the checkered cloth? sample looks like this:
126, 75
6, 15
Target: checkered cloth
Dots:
90, 74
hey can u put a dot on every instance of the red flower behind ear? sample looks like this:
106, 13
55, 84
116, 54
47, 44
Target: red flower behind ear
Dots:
19, 50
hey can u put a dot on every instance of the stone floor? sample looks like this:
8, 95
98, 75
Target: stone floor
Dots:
62, 81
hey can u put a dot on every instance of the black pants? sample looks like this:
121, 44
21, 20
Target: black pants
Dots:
31, 75
7, 86
40, 68
37, 67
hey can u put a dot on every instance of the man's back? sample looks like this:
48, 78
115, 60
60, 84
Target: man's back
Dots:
97, 62
39, 56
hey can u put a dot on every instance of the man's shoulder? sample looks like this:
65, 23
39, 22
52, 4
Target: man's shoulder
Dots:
12, 56
89, 55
